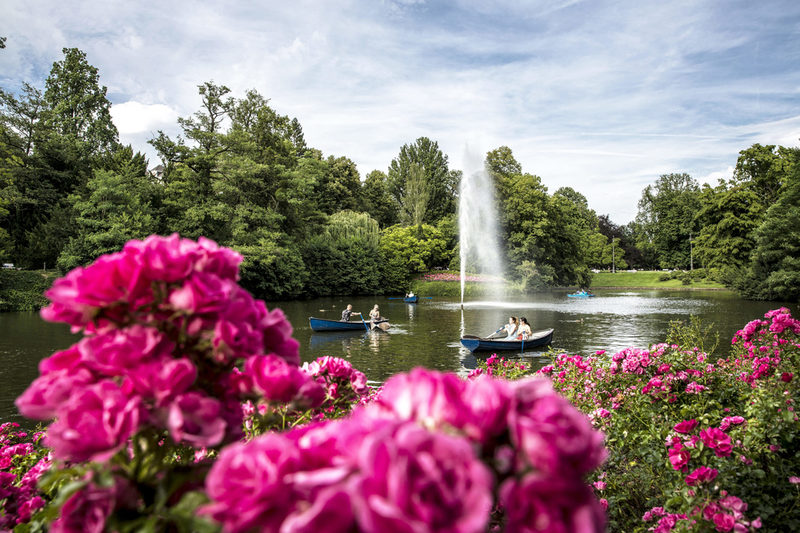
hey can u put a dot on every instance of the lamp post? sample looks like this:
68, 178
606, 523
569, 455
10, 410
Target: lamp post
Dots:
691, 253
613, 257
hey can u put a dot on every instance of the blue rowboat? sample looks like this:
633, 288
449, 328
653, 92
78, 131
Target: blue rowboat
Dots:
481, 344
322, 324
581, 295
411, 299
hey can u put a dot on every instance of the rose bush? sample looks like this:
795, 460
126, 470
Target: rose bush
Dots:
695, 443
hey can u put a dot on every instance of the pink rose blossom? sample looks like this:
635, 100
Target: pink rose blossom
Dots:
717, 440
701, 474
94, 423
686, 426
196, 420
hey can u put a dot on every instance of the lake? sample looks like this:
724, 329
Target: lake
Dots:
427, 334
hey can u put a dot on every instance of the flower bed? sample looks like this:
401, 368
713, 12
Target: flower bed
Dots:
694, 444
451, 276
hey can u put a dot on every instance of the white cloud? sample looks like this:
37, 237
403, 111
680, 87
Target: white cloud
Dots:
134, 117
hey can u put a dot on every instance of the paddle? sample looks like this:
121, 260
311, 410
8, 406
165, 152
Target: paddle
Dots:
384, 326
400, 298
495, 333
362, 321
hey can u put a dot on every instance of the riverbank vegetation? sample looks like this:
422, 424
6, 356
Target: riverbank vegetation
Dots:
24, 290
310, 224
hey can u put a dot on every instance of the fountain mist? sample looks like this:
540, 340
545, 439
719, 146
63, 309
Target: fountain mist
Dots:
477, 225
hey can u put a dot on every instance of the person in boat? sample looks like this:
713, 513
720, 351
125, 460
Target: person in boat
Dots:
410, 294
375, 314
347, 312
524, 331
511, 327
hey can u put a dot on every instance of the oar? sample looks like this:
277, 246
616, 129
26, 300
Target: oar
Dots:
522, 348
498, 331
400, 298
365, 324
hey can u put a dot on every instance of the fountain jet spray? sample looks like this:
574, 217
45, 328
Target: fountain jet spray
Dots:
477, 225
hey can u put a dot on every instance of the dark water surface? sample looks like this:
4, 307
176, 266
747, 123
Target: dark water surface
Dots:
427, 334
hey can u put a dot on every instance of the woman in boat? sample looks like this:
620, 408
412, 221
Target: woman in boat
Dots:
524, 331
511, 327
375, 314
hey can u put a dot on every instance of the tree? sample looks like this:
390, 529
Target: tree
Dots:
119, 203
763, 169
666, 218
501, 163
376, 200
775, 270
78, 107
416, 198
442, 184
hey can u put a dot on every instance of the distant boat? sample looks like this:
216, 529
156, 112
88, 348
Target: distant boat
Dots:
581, 294
481, 344
321, 324
411, 299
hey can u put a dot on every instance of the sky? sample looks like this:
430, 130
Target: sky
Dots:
602, 96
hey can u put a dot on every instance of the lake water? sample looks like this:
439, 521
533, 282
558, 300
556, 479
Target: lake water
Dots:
427, 334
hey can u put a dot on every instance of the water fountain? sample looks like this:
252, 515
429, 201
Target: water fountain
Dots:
477, 225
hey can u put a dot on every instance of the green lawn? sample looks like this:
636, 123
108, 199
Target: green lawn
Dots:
648, 279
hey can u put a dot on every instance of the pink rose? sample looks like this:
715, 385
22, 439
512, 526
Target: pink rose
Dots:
48, 392
163, 379
202, 293
679, 457
687, 426
94, 423
164, 258
717, 440
538, 503
410, 479
115, 352
249, 484
724, 522
786, 377
85, 511
701, 474
431, 398
196, 419
488, 400
550, 433
276, 379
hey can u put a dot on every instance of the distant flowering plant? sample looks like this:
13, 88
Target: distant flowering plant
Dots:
450, 276
23, 461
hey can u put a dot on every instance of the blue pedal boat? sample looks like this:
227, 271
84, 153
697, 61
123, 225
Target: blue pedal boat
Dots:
581, 295
322, 324
474, 343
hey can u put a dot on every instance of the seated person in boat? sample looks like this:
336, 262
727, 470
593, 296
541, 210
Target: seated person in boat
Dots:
524, 331
347, 312
410, 294
375, 314
511, 327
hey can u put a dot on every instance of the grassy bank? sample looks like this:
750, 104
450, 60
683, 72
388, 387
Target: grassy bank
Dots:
23, 290
654, 280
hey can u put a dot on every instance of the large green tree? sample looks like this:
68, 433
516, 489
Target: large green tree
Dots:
666, 218
774, 273
77, 103
441, 183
